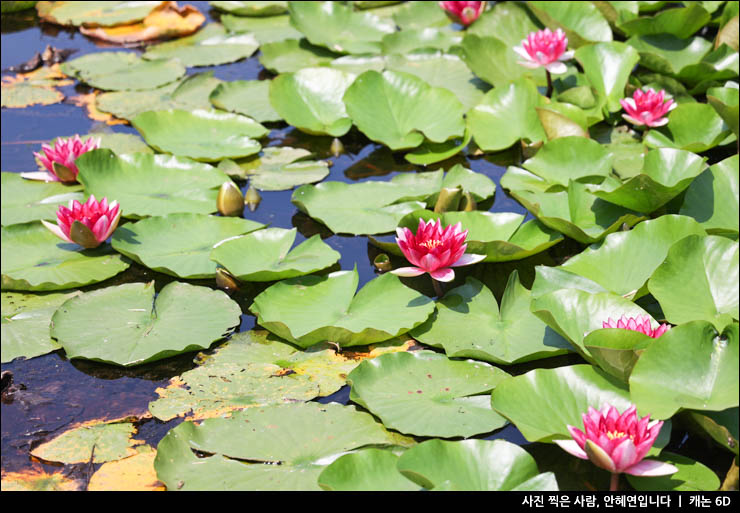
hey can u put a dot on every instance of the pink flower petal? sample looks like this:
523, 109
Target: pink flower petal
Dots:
571, 447
408, 272
651, 468
445, 274
468, 259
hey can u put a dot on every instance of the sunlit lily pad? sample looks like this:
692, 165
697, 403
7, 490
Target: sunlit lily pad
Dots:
209, 46
312, 309
365, 470
94, 13
469, 323
582, 22
570, 158
200, 134
266, 255
248, 97
722, 426
294, 54
608, 66
698, 280
426, 394
311, 100
244, 8
474, 465
692, 476
179, 244
712, 198
34, 88
151, 185
691, 126
33, 258
691, 366
27, 200
494, 61
725, 101
616, 350
257, 435
510, 22
338, 27
25, 324
668, 54
267, 29
272, 161
409, 40
419, 15
126, 325
393, 108
123, 71
135, 473
681, 22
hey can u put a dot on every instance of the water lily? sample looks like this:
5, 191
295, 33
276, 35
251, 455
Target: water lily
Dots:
647, 108
88, 224
434, 250
464, 12
617, 443
640, 323
547, 49
59, 161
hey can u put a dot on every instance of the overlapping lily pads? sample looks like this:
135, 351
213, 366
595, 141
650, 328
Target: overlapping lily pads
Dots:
267, 29
681, 22
266, 255
582, 22
312, 309
26, 200
94, 13
691, 126
426, 394
179, 244
712, 198
365, 470
123, 71
294, 54
248, 97
126, 325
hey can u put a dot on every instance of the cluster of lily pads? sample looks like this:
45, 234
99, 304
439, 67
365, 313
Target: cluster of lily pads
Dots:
619, 120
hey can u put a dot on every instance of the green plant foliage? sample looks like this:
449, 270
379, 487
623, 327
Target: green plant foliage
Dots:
608, 66
616, 350
96, 441
691, 126
365, 470
581, 21
494, 61
294, 54
94, 13
269, 8
267, 29
712, 198
681, 22
248, 97
28, 200
725, 101
413, 15
123, 71
692, 476
722, 426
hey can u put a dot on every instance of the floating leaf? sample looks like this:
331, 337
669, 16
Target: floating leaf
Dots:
692, 476
409, 40
248, 97
293, 54
668, 54
420, 14
582, 22
269, 8
267, 29
272, 160
722, 426
39, 481
123, 71
510, 22
34, 88
135, 473
725, 101
616, 350
94, 13
126, 325
691, 126
28, 200
712, 198
494, 61
681, 22
365, 470
607, 67
426, 394
570, 158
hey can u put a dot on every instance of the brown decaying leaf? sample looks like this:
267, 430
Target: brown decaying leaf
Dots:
22, 90
37, 479
88, 101
135, 473
165, 22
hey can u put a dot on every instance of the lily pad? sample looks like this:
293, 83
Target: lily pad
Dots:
33, 258
151, 185
34, 88
607, 67
474, 465
712, 198
209, 46
312, 309
269, 8
681, 22
668, 54
582, 22
365, 470
722, 426
311, 100
123, 71
690, 366
258, 435
179, 244
125, 325
570, 158
94, 441
691, 126
420, 14
267, 29
426, 394
393, 108
200, 134
248, 97
272, 160
39, 481
25, 324
692, 476
409, 40
494, 61
26, 200
293, 54
265, 255
469, 323
94, 13
725, 101
510, 22
698, 280
616, 350
135, 473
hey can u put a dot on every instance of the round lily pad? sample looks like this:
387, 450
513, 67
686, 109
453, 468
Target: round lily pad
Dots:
691, 126
267, 29
294, 54
123, 71
365, 470
266, 256
248, 97
570, 158
200, 134
95, 13
126, 325
426, 394
179, 244
312, 309
33, 258
28, 200
95, 441
582, 22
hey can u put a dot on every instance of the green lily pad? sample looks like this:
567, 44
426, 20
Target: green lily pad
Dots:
365, 470
409, 40
338, 27
468, 323
258, 435
393, 108
277, 168
426, 394
725, 101
691, 126
293, 54
681, 22
570, 158
474, 465
712, 198
511, 22
267, 29
624, 261
419, 15
179, 244
698, 280
608, 66
669, 54
27, 200
692, 476
209, 46
33, 258
722, 426
312, 309
96, 441
581, 21
200, 134
125, 325
248, 97
616, 350
189, 93
151, 185
311, 100
507, 114
268, 8
665, 174
123, 71
94, 13
266, 256
690, 366
25, 324
494, 61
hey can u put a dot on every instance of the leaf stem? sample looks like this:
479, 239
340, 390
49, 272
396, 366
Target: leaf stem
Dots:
614, 485
437, 288
549, 84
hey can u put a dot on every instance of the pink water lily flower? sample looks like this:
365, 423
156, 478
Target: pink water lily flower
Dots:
434, 250
546, 49
464, 12
88, 224
647, 108
617, 443
640, 323
59, 161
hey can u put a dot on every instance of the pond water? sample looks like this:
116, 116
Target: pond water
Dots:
50, 393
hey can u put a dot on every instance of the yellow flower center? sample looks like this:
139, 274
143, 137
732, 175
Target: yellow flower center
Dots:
613, 435
430, 244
